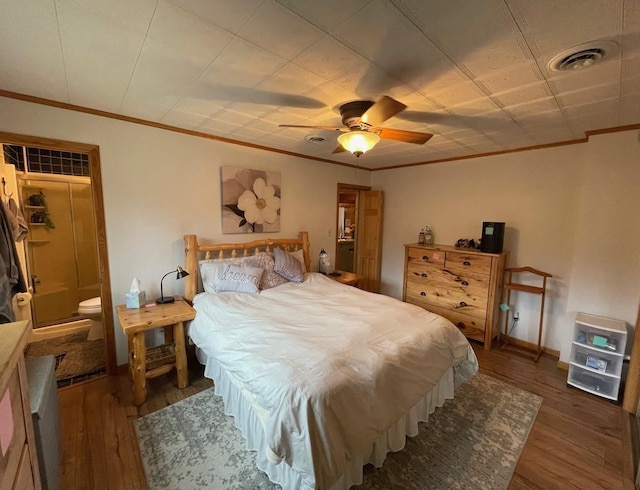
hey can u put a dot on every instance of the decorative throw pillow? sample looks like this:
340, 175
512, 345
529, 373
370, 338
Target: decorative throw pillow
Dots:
241, 279
212, 269
264, 260
299, 254
287, 265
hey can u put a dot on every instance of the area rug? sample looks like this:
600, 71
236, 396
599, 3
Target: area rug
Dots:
472, 442
76, 357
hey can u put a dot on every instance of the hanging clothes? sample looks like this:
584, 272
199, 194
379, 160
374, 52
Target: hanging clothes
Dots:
17, 221
11, 277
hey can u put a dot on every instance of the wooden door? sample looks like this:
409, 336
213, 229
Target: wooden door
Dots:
632, 389
371, 242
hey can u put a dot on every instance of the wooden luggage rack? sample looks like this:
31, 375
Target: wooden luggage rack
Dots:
540, 290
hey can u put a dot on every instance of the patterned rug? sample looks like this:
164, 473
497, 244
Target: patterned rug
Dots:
473, 442
77, 358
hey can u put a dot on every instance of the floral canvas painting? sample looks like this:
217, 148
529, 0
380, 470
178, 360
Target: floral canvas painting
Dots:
250, 200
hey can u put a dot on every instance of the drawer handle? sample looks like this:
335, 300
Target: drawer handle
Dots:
466, 262
461, 325
463, 304
424, 274
422, 293
465, 283
425, 257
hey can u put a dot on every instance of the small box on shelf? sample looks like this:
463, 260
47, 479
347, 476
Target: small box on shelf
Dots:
597, 363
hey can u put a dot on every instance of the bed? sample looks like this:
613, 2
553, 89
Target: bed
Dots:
321, 378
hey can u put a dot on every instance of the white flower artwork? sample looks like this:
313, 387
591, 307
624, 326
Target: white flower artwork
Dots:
250, 200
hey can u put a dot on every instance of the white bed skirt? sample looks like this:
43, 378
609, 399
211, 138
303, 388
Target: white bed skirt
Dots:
250, 419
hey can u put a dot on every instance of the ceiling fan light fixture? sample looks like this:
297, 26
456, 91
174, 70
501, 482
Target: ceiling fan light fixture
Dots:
358, 142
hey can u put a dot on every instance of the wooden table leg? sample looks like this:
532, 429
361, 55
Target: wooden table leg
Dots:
181, 355
130, 360
139, 369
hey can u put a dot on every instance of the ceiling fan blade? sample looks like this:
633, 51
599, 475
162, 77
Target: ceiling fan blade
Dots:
329, 128
382, 110
402, 135
339, 149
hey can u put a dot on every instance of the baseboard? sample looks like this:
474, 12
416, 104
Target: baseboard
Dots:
533, 347
563, 365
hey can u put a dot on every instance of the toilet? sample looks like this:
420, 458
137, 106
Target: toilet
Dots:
92, 310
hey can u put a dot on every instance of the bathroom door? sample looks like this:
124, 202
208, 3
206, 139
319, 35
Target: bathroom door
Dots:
370, 244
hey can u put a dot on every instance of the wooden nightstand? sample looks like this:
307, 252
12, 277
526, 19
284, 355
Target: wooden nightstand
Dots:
148, 363
348, 278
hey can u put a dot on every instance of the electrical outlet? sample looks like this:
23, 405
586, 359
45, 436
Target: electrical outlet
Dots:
516, 316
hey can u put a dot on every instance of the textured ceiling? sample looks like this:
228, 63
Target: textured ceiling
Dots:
474, 73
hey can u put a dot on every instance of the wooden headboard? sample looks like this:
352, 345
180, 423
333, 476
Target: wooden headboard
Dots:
221, 250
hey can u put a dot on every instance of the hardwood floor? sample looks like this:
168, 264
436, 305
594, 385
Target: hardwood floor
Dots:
578, 440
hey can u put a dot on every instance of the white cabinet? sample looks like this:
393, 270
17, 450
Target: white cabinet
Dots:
597, 354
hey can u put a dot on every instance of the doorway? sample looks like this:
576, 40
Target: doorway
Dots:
346, 256
60, 217
359, 233
92, 193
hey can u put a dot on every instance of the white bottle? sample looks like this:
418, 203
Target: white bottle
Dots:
324, 265
428, 236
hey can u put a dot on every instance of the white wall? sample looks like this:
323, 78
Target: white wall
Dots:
159, 185
571, 211
605, 279
564, 208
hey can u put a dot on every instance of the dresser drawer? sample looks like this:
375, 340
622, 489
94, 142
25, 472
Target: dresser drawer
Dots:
469, 325
425, 256
24, 476
461, 262
466, 282
451, 300
10, 461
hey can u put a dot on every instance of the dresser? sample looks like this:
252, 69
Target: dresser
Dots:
462, 285
18, 455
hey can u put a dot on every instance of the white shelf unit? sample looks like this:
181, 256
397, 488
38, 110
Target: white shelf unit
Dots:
597, 354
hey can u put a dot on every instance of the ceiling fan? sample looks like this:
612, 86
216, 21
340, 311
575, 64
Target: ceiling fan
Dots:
362, 131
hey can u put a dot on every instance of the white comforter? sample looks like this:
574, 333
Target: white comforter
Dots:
332, 365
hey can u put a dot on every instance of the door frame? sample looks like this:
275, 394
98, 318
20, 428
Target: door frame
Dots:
101, 230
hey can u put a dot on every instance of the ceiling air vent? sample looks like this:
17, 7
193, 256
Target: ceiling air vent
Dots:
583, 56
315, 139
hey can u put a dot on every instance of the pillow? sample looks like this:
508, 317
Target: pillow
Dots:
299, 254
264, 260
241, 279
212, 269
287, 265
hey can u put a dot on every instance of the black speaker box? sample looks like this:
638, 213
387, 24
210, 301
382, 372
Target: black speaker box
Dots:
492, 237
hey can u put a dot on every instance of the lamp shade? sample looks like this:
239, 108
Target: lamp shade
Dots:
358, 142
169, 299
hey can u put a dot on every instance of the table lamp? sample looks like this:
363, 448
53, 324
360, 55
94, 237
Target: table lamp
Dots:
169, 299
